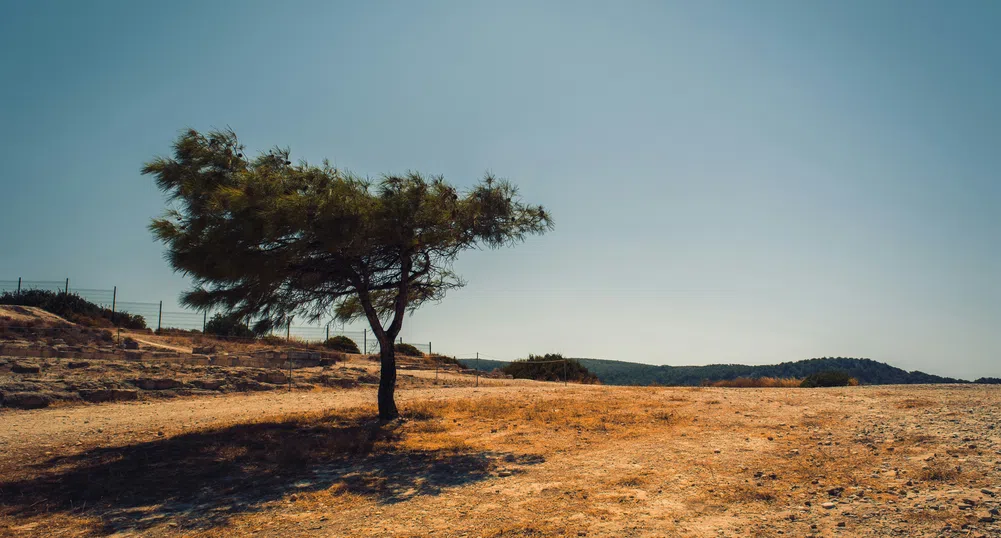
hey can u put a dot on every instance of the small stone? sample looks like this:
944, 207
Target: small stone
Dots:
841, 524
987, 492
827, 505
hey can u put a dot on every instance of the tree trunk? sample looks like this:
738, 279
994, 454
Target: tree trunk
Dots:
387, 381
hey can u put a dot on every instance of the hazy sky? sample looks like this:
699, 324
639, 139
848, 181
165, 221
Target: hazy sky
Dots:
747, 182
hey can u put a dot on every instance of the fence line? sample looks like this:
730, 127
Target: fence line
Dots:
158, 319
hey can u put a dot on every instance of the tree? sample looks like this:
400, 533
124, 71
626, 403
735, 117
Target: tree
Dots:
265, 239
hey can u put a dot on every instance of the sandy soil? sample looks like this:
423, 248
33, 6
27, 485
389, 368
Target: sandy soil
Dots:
514, 459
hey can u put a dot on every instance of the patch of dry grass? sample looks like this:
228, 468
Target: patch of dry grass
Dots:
758, 382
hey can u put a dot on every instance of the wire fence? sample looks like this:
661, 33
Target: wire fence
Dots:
158, 319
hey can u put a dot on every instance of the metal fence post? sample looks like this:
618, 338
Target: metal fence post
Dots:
19, 285
288, 332
67, 285
114, 299
159, 317
364, 341
328, 331
205, 319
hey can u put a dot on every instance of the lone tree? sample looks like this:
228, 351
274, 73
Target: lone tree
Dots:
265, 239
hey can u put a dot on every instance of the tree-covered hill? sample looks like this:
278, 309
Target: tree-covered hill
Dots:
867, 371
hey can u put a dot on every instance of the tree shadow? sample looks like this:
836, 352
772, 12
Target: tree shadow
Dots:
199, 480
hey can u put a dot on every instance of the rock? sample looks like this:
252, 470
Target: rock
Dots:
836, 492
96, 395
274, 377
19, 368
987, 492
208, 384
828, 505
504, 473
78, 364
26, 400
130, 343
109, 395
203, 350
156, 384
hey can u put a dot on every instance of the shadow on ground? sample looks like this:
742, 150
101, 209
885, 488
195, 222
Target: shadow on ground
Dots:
200, 480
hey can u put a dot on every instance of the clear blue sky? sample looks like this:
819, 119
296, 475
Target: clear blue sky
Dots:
747, 182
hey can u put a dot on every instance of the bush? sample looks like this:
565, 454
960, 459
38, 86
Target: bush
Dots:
228, 326
829, 379
407, 349
989, 381
173, 331
73, 308
341, 343
550, 367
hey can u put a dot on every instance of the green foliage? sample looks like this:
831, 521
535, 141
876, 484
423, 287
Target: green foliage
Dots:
407, 349
266, 238
550, 367
989, 381
341, 343
73, 308
228, 326
828, 379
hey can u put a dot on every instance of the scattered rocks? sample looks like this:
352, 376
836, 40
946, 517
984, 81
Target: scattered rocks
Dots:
26, 400
19, 368
827, 505
157, 384
275, 377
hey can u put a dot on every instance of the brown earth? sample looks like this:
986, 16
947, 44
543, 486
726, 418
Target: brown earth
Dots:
512, 459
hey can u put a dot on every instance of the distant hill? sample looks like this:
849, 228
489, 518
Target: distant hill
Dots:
867, 371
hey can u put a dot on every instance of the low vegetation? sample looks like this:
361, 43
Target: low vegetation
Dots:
73, 308
341, 343
550, 367
407, 350
829, 379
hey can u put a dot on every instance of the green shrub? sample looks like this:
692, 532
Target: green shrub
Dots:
829, 379
228, 326
550, 367
407, 349
341, 343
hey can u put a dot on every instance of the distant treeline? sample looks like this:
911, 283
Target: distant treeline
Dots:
866, 371
549, 367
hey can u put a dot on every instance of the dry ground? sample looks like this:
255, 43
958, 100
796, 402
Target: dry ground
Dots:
512, 459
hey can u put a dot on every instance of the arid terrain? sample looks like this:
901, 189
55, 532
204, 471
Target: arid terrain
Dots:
514, 458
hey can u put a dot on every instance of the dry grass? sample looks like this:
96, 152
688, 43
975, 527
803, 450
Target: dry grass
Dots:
758, 382
539, 461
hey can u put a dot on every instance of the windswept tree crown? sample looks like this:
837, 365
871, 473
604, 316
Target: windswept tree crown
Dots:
267, 239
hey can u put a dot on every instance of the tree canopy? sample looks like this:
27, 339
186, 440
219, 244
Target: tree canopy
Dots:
266, 239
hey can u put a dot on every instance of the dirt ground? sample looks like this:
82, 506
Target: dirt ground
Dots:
511, 459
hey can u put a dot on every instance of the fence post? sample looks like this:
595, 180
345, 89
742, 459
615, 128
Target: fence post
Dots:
114, 299
328, 330
429, 349
19, 285
205, 319
477, 368
565, 381
288, 332
159, 317
364, 344
67, 285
